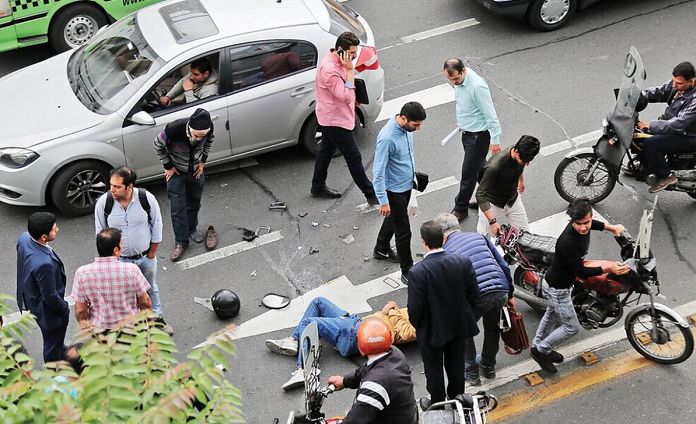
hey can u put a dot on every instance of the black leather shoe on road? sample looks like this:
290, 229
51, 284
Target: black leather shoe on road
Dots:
404, 279
326, 193
544, 361
461, 216
473, 205
389, 255
556, 357
424, 403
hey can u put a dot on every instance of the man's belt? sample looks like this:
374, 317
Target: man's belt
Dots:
134, 257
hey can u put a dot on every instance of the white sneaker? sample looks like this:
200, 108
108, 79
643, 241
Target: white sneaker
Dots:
296, 379
286, 346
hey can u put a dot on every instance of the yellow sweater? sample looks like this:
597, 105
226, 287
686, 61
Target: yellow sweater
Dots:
397, 321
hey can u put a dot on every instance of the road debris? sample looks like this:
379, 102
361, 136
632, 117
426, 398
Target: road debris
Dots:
347, 238
313, 250
253, 273
302, 214
315, 224
277, 206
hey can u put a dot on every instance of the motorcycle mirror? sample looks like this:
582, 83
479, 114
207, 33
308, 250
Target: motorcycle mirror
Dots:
275, 301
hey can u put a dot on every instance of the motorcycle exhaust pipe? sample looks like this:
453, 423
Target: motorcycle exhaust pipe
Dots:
529, 299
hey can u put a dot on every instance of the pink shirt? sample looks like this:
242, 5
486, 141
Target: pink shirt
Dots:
110, 288
335, 102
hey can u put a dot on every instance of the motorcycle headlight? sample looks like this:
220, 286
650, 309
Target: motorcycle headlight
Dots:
14, 157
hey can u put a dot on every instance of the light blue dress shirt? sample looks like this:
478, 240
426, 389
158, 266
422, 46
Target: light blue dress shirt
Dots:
136, 232
474, 106
393, 168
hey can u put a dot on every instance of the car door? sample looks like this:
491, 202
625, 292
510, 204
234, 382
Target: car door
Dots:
271, 89
138, 139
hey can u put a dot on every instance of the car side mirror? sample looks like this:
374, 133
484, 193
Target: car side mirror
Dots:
143, 118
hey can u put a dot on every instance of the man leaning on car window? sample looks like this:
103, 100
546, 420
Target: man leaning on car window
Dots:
198, 84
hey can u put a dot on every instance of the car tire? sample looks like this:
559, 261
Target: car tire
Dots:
74, 26
311, 135
77, 187
549, 15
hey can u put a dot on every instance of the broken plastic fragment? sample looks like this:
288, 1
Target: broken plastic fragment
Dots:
253, 273
348, 238
313, 250
315, 224
302, 214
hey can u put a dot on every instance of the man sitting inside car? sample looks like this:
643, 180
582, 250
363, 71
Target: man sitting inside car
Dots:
200, 83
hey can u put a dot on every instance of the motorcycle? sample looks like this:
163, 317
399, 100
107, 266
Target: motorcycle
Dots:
464, 409
592, 172
654, 330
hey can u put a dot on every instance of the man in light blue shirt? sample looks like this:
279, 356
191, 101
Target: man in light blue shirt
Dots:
141, 228
394, 173
478, 121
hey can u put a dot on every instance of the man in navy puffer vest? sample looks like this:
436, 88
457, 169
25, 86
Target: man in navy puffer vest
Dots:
496, 288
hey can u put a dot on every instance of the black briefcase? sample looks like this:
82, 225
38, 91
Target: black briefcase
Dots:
421, 181
361, 92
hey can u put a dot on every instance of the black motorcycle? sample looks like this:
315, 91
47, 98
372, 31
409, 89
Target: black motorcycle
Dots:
592, 172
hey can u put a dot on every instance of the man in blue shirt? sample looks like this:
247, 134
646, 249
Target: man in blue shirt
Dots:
394, 173
140, 226
478, 121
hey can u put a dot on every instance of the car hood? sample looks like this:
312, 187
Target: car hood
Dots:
42, 105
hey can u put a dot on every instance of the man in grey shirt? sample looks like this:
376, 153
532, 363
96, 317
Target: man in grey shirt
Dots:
139, 219
200, 83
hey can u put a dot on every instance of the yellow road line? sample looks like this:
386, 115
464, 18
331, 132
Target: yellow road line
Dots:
519, 403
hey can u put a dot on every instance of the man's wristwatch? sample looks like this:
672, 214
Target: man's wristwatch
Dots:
492, 221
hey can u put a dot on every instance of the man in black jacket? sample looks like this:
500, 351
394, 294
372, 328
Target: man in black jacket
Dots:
441, 293
385, 388
183, 147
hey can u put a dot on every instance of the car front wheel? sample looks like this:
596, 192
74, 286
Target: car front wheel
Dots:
77, 188
548, 15
74, 26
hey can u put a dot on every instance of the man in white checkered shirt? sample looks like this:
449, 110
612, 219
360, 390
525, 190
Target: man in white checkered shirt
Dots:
108, 290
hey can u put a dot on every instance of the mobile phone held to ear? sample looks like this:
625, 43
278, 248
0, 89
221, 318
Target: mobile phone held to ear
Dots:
341, 53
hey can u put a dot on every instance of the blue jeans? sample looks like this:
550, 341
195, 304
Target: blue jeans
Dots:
335, 325
149, 269
184, 192
560, 322
489, 309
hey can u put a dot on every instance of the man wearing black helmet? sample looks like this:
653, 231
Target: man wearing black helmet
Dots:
183, 147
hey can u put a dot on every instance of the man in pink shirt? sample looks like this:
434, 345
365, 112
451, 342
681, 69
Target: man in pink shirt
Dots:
108, 290
335, 110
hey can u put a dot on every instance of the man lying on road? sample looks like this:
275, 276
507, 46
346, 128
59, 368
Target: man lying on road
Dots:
339, 328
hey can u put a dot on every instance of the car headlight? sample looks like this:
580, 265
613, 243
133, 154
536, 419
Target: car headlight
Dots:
14, 157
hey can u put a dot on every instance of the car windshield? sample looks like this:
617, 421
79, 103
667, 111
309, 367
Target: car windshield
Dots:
109, 69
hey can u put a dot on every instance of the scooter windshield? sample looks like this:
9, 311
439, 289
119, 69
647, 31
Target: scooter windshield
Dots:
623, 118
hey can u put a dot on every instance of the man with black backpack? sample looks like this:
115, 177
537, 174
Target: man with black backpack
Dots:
136, 213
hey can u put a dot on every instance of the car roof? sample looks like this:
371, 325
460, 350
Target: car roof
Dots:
231, 19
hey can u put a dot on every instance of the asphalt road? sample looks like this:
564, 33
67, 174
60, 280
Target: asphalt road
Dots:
551, 85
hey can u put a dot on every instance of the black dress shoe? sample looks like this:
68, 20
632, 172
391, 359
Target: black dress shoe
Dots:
326, 193
556, 357
461, 216
425, 403
404, 279
473, 205
389, 255
544, 361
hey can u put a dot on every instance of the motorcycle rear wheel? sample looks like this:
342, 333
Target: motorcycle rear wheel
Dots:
571, 170
531, 299
674, 344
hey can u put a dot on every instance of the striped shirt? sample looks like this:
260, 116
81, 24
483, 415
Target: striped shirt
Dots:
110, 289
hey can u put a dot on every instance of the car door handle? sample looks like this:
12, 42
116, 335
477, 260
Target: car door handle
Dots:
300, 92
214, 117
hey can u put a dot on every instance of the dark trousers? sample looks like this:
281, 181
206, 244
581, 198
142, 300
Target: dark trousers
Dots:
450, 355
397, 225
655, 148
488, 309
185, 192
333, 138
54, 338
475, 150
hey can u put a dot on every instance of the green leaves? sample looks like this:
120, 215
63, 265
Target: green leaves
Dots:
130, 375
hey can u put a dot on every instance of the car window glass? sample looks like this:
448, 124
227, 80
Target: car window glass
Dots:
188, 21
254, 64
170, 94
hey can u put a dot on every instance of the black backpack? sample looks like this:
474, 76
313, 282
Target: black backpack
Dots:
142, 196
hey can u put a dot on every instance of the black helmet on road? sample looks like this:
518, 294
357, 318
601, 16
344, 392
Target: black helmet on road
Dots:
225, 303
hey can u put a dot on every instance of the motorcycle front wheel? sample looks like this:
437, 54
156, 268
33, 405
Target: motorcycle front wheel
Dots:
663, 341
577, 177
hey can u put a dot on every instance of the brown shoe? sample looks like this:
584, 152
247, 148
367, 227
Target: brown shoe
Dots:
211, 238
663, 184
178, 251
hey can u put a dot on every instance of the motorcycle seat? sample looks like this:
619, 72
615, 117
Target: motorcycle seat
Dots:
537, 248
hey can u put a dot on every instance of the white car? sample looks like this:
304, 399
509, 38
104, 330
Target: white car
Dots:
69, 120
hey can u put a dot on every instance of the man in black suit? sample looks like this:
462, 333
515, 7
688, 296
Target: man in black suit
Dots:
441, 292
